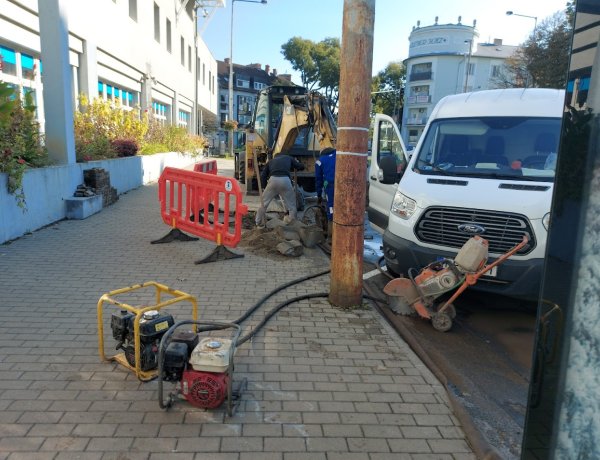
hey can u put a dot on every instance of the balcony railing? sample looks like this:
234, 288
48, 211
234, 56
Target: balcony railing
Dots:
416, 121
416, 76
419, 99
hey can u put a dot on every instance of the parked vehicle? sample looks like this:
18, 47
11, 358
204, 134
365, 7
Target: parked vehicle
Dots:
483, 166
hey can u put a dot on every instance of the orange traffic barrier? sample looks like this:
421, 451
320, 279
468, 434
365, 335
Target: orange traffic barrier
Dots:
205, 205
206, 166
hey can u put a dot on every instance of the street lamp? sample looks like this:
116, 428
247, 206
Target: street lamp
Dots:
468, 63
512, 13
263, 2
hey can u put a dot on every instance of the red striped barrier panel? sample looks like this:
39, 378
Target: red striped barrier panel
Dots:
206, 166
205, 205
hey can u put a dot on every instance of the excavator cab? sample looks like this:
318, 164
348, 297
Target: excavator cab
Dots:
291, 120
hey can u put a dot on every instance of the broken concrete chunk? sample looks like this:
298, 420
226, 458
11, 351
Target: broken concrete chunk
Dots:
311, 236
291, 248
287, 233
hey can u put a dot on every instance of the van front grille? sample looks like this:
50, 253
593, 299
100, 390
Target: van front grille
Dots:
452, 227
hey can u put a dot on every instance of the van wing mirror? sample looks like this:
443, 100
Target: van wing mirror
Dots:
388, 172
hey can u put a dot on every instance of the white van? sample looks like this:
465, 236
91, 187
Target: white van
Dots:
484, 165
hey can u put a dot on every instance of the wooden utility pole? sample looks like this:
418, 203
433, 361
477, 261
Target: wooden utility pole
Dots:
351, 159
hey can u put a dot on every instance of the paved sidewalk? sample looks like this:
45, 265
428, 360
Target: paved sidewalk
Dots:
323, 383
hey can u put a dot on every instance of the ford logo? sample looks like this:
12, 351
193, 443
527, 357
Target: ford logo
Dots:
471, 229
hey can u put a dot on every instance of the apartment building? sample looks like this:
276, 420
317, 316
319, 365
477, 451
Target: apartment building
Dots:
446, 59
248, 80
144, 53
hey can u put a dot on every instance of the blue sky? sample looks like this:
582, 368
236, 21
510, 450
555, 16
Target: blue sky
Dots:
260, 30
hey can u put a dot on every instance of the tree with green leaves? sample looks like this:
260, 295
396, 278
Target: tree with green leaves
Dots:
388, 90
543, 60
317, 63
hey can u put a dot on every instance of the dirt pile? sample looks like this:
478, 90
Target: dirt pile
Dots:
279, 238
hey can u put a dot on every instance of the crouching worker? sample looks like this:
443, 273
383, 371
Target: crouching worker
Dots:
276, 180
324, 181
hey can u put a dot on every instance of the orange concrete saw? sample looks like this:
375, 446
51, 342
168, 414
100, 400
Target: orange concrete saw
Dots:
421, 291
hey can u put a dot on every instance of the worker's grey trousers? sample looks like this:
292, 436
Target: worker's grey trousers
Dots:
282, 186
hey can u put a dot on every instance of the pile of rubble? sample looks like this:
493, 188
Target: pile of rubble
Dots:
281, 237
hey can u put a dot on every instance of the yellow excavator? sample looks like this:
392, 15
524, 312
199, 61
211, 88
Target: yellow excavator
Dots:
291, 120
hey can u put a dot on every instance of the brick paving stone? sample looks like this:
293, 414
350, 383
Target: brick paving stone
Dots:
31, 456
79, 456
449, 446
327, 444
323, 383
65, 443
20, 443
301, 430
411, 446
260, 456
197, 444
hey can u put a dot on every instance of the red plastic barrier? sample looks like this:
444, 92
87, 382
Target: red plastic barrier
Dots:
206, 166
200, 204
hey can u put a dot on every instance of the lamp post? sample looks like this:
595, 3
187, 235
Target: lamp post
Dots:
468, 63
263, 2
512, 13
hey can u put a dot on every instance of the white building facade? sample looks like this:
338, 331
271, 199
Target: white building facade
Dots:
446, 59
145, 53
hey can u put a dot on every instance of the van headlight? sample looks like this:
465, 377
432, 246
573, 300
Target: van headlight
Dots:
403, 206
546, 221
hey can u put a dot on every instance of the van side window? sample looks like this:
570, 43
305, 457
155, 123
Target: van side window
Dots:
390, 146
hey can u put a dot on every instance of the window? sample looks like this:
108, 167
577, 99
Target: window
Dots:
160, 111
390, 147
213, 85
182, 42
8, 61
126, 97
209, 80
133, 9
190, 58
259, 86
183, 119
495, 71
156, 23
203, 74
244, 106
168, 32
198, 69
242, 83
471, 69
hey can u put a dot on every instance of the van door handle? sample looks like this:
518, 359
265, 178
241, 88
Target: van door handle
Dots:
373, 178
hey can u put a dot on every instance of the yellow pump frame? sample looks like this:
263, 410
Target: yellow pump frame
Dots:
177, 296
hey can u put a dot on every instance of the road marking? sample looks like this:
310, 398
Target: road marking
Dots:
373, 273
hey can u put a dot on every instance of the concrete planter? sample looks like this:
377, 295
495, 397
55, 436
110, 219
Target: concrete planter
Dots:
47, 189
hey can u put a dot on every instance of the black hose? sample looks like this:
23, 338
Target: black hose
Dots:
263, 299
275, 309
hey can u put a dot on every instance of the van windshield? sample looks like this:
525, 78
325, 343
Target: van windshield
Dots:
519, 148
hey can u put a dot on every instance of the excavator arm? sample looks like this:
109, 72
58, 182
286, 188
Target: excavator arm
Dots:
296, 117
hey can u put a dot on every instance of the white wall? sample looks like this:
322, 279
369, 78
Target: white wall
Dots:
47, 188
126, 49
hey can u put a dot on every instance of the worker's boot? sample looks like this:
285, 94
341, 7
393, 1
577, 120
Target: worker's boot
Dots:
329, 231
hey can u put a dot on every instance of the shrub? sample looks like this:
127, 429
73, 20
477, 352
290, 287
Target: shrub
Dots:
100, 122
21, 144
124, 147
